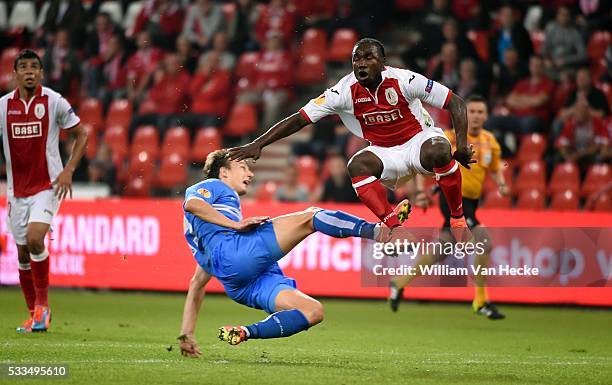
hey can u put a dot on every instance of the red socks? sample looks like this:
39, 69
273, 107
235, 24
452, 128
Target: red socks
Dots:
374, 195
449, 180
27, 286
40, 275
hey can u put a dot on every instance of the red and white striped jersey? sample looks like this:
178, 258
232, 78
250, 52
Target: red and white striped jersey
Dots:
30, 135
388, 117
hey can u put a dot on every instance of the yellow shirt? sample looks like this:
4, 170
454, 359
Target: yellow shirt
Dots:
487, 152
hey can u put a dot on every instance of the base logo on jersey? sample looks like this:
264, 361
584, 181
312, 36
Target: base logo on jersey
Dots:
381, 117
320, 100
26, 130
205, 193
391, 96
39, 110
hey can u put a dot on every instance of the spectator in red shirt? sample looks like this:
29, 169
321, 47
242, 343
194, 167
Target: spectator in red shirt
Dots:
141, 65
584, 138
163, 19
210, 90
277, 17
273, 78
107, 75
529, 104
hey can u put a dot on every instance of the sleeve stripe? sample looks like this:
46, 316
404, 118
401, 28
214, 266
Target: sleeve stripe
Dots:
305, 115
448, 98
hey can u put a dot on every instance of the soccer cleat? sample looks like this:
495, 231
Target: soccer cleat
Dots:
41, 319
26, 327
395, 296
402, 210
233, 335
489, 310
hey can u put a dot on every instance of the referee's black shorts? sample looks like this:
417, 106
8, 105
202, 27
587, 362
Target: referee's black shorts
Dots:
469, 212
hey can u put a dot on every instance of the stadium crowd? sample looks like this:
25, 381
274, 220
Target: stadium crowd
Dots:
160, 83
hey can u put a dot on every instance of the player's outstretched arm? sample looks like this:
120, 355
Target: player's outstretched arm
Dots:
195, 295
207, 213
458, 112
282, 129
63, 182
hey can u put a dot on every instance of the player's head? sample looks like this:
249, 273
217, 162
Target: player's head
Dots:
368, 61
477, 112
235, 174
28, 69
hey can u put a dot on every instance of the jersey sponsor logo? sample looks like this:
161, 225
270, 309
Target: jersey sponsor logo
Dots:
39, 110
429, 86
26, 130
363, 100
205, 193
320, 100
381, 117
391, 96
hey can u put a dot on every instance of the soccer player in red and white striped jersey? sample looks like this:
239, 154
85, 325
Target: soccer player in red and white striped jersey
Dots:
31, 117
383, 105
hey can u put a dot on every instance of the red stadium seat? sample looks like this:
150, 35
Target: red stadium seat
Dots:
598, 176
600, 202
532, 147
246, 65
494, 200
119, 112
266, 192
141, 165
564, 201
6, 66
206, 141
341, 47
308, 171
310, 71
137, 187
314, 42
172, 171
566, 176
146, 138
598, 43
410, 5
242, 120
92, 141
480, 39
176, 141
490, 185
531, 200
90, 112
532, 176
116, 137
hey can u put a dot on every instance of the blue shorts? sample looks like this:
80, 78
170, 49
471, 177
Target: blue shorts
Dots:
246, 265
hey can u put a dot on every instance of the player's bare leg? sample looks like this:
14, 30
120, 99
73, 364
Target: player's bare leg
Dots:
39, 262
27, 285
436, 157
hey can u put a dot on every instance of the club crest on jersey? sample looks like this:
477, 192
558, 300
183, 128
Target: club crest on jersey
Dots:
391, 96
381, 117
39, 110
205, 193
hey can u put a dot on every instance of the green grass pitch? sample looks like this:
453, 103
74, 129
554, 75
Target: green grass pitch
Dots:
123, 338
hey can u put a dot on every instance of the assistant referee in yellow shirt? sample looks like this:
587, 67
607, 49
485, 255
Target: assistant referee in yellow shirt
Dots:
487, 152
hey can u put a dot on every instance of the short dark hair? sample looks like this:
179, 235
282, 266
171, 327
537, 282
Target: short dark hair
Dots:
27, 54
475, 98
214, 161
372, 41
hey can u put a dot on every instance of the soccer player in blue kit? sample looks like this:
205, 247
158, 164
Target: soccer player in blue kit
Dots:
242, 253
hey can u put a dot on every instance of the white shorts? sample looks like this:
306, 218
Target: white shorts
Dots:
401, 163
40, 207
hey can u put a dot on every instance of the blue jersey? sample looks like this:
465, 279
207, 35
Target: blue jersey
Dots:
202, 236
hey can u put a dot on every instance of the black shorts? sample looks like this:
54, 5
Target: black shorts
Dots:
469, 211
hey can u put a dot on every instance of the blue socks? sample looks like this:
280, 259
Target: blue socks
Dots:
339, 224
283, 323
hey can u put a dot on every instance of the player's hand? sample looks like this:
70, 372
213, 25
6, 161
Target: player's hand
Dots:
63, 184
250, 223
189, 347
504, 190
248, 151
464, 155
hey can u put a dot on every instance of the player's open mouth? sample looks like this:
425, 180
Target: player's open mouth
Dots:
362, 74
